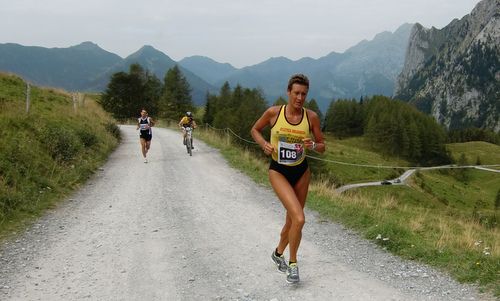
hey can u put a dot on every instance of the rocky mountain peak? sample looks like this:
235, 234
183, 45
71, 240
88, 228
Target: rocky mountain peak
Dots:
453, 72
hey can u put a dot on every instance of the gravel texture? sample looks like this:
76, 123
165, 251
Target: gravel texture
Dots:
192, 228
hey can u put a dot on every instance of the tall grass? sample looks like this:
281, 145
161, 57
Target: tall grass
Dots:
462, 246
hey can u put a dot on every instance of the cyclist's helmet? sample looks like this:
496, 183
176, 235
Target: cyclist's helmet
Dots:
189, 114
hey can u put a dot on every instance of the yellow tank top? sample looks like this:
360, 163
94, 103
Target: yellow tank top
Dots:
287, 139
184, 120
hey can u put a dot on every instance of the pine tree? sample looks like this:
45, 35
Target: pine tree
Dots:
280, 101
398, 129
313, 105
329, 117
251, 107
152, 93
208, 117
127, 93
223, 104
228, 114
403, 136
224, 98
176, 97
414, 145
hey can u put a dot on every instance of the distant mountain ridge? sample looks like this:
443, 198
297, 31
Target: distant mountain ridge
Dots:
206, 68
454, 73
87, 67
72, 68
368, 68
157, 63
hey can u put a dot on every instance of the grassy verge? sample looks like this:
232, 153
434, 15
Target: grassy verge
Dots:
46, 153
410, 221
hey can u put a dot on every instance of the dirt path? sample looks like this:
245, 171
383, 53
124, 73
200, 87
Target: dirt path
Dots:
192, 228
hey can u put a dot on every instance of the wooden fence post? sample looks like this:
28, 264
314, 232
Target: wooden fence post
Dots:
28, 92
75, 102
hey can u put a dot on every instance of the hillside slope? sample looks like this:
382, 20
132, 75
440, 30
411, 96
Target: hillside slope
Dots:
46, 153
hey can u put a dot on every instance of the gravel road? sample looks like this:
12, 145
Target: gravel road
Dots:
193, 228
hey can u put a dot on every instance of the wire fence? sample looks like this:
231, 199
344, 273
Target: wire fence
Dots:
231, 132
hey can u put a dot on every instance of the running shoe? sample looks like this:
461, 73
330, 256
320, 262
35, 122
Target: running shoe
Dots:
292, 273
145, 160
280, 262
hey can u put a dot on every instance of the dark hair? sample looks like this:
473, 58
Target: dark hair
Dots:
300, 79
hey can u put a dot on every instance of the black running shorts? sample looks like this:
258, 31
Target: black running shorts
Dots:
291, 173
146, 135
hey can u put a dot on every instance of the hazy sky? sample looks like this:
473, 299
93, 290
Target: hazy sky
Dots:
239, 32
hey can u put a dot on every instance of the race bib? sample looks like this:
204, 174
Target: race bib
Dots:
289, 153
144, 126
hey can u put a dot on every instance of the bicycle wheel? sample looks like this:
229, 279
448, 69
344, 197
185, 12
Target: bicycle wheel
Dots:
188, 147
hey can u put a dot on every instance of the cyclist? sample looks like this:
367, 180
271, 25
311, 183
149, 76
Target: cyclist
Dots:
187, 121
144, 124
292, 130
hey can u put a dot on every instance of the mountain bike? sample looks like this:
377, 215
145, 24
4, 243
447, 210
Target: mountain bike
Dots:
188, 140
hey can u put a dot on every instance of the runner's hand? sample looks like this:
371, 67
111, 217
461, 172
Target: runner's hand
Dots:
268, 148
309, 143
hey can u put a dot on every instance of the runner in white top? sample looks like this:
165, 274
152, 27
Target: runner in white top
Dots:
144, 124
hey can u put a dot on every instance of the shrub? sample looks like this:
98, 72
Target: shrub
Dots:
113, 129
87, 137
62, 143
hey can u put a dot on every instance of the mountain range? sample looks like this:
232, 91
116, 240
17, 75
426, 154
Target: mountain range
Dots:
72, 68
370, 67
451, 73
87, 67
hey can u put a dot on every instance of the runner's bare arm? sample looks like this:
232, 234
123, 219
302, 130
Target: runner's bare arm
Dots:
319, 141
265, 120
